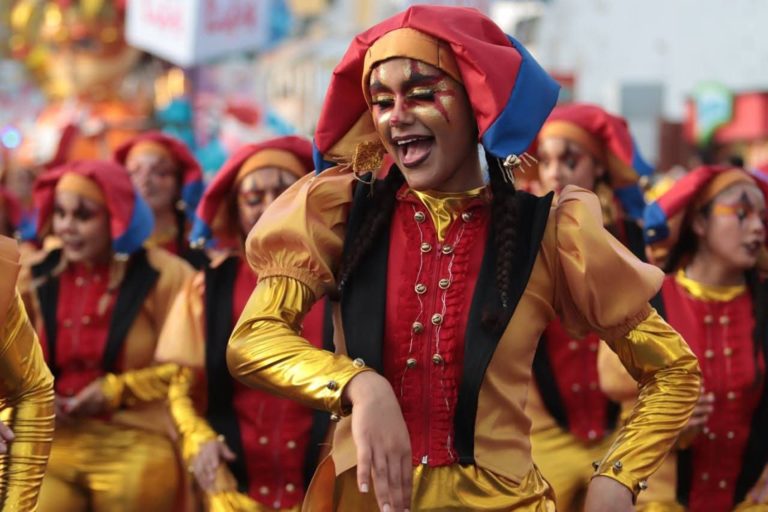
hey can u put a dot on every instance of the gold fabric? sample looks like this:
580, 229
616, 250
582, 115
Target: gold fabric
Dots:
271, 157
709, 292
149, 147
26, 394
266, 352
238, 502
101, 467
566, 463
445, 207
454, 488
720, 182
82, 186
581, 274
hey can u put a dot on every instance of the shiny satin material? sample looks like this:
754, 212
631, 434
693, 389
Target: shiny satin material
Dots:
456, 488
582, 274
566, 463
265, 349
101, 467
26, 406
708, 292
445, 207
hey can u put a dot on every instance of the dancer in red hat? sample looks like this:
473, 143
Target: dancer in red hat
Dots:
248, 450
99, 303
572, 419
171, 182
446, 282
26, 394
708, 232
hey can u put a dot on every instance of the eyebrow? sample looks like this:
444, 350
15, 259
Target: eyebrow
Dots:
416, 79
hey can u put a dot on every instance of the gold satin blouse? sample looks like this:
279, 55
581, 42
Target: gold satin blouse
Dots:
26, 393
581, 274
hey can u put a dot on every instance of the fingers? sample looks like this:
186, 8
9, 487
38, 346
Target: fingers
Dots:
226, 453
363, 467
396, 493
407, 479
205, 470
6, 434
381, 481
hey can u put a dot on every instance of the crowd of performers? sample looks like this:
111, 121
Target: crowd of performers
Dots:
392, 315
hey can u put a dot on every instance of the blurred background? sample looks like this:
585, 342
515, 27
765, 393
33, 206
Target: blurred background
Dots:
77, 77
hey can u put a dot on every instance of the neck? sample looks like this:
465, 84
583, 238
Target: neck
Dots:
165, 219
469, 176
708, 269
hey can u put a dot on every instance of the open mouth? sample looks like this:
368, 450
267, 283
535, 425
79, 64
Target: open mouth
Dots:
413, 150
753, 247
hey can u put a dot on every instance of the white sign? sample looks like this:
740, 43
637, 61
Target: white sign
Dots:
190, 32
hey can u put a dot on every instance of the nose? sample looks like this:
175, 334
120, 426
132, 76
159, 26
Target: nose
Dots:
400, 113
553, 173
756, 224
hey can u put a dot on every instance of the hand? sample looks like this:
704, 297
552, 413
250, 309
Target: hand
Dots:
90, 401
704, 407
759, 493
607, 495
206, 462
61, 409
382, 441
6, 436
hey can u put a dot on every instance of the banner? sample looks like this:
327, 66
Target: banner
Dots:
714, 108
191, 32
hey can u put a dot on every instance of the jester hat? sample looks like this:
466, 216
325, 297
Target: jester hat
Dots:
607, 138
130, 218
665, 218
510, 94
213, 218
188, 167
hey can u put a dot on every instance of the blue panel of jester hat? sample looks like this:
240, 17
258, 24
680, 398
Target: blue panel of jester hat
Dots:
139, 229
656, 227
532, 99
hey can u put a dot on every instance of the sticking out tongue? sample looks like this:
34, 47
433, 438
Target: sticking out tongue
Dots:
416, 152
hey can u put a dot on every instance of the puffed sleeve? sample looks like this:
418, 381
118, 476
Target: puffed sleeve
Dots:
301, 235
602, 287
295, 249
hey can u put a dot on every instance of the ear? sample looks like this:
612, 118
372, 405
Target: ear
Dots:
699, 225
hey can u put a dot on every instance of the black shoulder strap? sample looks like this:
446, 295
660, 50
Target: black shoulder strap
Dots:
546, 382
321, 419
658, 304
219, 290
138, 281
479, 343
756, 452
363, 301
48, 297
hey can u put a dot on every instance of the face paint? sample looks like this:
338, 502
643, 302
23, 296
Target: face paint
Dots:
257, 191
424, 119
563, 162
83, 227
734, 229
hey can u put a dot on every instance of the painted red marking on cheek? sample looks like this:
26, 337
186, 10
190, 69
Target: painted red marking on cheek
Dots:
439, 96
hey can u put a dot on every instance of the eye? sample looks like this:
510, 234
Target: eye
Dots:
571, 162
741, 213
58, 211
422, 95
382, 102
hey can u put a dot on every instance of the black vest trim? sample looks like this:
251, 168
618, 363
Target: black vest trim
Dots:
756, 452
547, 384
635, 242
219, 305
48, 297
138, 281
363, 300
479, 343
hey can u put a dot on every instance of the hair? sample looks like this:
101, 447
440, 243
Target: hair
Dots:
504, 220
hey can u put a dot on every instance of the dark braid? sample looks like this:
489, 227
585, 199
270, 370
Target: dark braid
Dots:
377, 218
504, 219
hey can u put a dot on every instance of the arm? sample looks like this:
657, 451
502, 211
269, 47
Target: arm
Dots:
265, 350
668, 375
26, 402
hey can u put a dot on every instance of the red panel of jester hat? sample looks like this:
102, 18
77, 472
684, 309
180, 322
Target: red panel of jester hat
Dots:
130, 218
293, 154
510, 94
